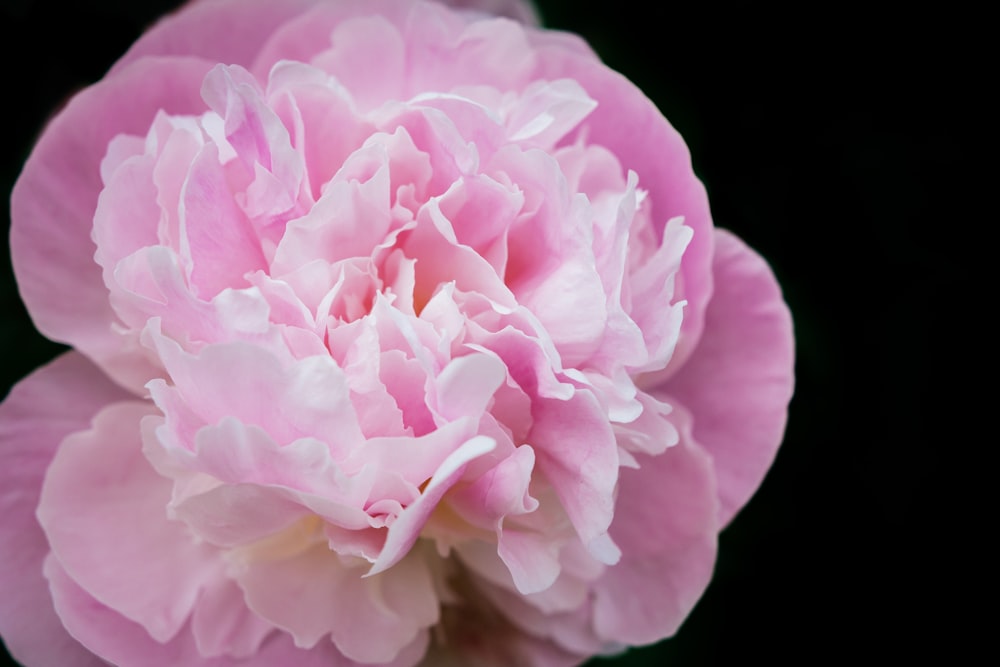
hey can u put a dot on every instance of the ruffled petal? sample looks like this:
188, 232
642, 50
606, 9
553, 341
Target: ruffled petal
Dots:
576, 450
455, 330
39, 412
650, 146
54, 200
740, 378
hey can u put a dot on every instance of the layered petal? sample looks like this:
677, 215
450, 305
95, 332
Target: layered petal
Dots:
54, 200
740, 378
666, 524
103, 509
43, 409
122, 642
650, 146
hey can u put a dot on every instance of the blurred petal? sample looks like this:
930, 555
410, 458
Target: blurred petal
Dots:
222, 624
519, 10
220, 31
316, 594
39, 412
739, 379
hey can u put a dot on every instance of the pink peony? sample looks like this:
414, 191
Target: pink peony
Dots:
402, 336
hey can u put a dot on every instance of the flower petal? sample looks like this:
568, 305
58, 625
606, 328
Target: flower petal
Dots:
39, 412
220, 31
103, 509
650, 146
123, 642
54, 200
740, 378
519, 10
316, 593
666, 523
576, 450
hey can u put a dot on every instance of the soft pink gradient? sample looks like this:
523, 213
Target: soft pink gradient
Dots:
402, 337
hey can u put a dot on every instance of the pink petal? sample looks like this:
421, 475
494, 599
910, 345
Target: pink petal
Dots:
653, 288
319, 113
576, 450
360, 209
547, 111
519, 10
369, 57
440, 260
532, 558
219, 31
222, 624
403, 533
480, 210
287, 399
666, 523
465, 387
500, 491
485, 52
219, 239
739, 379
54, 200
488, 52
39, 412
650, 146
127, 215
123, 642
114, 637
103, 509
316, 593
302, 37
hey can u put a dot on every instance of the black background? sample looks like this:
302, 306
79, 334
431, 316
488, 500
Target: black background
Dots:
841, 144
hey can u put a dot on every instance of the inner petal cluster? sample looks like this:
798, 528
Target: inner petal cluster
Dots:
394, 337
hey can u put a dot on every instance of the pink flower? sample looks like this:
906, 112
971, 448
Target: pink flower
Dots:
402, 336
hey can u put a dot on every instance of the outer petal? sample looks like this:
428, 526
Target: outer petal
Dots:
519, 10
739, 379
54, 200
103, 508
233, 31
309, 34
220, 31
666, 523
40, 411
123, 642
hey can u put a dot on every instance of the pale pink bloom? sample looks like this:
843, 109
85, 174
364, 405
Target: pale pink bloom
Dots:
402, 337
